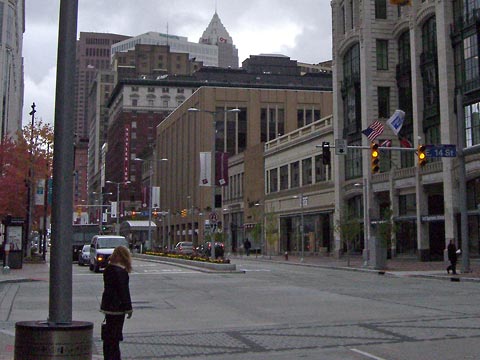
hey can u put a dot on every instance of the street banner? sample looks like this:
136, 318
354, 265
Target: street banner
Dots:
113, 210
221, 168
205, 169
155, 197
40, 192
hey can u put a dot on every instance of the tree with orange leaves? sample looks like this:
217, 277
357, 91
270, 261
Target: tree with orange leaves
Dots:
24, 160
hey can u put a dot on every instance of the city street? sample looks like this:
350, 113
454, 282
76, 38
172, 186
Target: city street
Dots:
272, 311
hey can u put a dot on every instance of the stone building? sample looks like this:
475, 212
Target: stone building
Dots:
421, 58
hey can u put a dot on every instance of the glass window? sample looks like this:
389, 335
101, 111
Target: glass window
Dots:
306, 171
382, 54
272, 128
273, 180
263, 125
295, 174
134, 102
353, 162
300, 118
381, 9
472, 124
383, 102
242, 130
470, 55
320, 170
284, 177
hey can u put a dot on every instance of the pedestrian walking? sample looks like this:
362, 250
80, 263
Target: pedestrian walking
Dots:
116, 301
247, 245
452, 257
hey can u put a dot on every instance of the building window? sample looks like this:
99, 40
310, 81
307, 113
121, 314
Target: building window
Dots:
150, 102
273, 180
134, 88
320, 169
470, 55
350, 90
381, 9
151, 89
134, 102
180, 90
307, 171
284, 178
353, 162
165, 90
272, 123
382, 54
295, 174
472, 124
383, 102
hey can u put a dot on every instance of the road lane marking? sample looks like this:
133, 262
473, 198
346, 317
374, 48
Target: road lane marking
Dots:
367, 354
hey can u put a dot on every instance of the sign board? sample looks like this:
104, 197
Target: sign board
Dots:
440, 150
213, 217
340, 146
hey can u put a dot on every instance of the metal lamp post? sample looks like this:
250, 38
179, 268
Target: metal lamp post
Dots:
213, 180
118, 201
150, 202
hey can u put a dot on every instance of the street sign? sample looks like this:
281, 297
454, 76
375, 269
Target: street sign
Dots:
340, 146
213, 217
441, 150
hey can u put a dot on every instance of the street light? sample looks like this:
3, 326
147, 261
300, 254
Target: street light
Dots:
118, 201
148, 246
302, 230
213, 180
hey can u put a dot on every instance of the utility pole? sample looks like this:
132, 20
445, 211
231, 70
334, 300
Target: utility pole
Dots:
28, 222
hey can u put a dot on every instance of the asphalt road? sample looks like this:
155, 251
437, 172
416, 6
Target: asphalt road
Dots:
274, 311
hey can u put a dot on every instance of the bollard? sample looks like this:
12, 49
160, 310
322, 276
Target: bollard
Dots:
286, 255
39, 340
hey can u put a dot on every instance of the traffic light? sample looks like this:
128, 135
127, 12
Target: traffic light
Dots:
374, 160
326, 157
133, 214
422, 155
184, 212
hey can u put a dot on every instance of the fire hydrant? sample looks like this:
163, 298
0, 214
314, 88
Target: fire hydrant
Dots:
286, 255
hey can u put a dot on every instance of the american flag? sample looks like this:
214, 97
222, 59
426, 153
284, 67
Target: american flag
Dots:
373, 131
385, 143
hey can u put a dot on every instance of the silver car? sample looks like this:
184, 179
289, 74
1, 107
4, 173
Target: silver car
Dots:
84, 256
184, 247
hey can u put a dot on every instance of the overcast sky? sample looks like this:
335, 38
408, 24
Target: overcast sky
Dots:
300, 29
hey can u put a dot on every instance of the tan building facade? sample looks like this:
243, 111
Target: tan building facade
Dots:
265, 115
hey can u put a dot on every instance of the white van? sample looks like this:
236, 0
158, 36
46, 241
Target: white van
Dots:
101, 248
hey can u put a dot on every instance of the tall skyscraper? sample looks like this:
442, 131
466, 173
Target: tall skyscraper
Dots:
93, 54
12, 27
217, 34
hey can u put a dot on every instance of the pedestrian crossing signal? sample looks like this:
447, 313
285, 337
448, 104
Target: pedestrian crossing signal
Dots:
374, 158
422, 155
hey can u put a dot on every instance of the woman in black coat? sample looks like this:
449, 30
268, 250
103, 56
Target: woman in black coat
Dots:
116, 301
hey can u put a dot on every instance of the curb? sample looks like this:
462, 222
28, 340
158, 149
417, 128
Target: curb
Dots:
191, 264
373, 271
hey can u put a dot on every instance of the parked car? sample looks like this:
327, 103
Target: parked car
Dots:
205, 249
84, 256
184, 247
101, 248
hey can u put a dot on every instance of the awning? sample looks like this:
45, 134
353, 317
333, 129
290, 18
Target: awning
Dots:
139, 224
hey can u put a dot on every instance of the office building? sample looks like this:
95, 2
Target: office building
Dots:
421, 58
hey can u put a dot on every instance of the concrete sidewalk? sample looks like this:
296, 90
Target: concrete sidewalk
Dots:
398, 266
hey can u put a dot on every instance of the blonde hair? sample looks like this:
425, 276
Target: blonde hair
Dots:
121, 255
